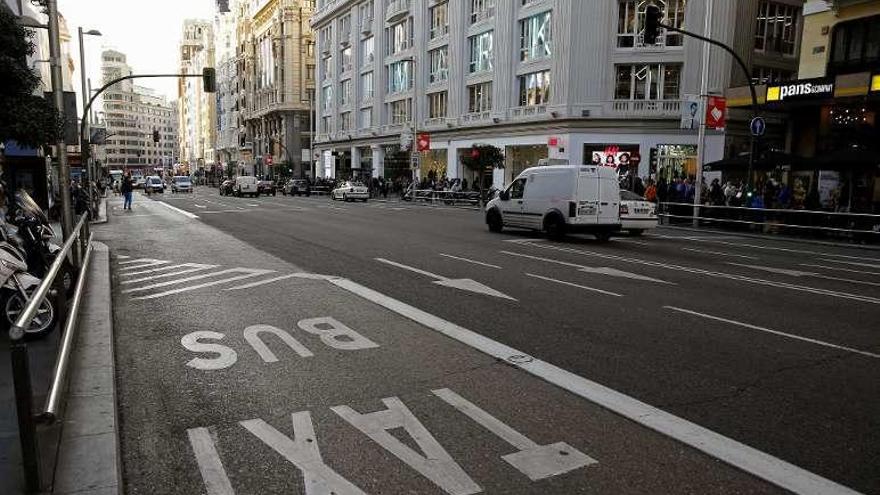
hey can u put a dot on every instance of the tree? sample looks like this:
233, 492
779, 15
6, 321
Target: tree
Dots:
483, 158
29, 119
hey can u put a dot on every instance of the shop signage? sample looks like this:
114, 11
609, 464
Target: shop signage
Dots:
267, 159
424, 142
716, 110
804, 89
875, 83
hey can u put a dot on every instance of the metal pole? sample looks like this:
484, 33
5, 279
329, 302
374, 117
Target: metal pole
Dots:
84, 138
701, 134
58, 93
412, 143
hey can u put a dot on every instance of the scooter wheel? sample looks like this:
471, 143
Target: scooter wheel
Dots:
40, 325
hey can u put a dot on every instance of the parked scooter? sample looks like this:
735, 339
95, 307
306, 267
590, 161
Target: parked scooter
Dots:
16, 286
35, 235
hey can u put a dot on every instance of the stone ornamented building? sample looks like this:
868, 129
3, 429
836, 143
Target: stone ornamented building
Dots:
197, 110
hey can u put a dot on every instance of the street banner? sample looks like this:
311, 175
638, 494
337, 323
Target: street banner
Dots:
690, 112
716, 112
424, 142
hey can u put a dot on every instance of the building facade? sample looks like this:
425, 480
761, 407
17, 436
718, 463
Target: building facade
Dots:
563, 79
226, 97
197, 110
275, 57
131, 114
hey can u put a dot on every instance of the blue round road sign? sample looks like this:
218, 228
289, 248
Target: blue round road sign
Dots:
757, 126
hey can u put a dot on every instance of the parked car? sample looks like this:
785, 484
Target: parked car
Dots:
266, 187
350, 191
636, 214
139, 182
181, 183
559, 199
226, 187
295, 187
154, 184
245, 185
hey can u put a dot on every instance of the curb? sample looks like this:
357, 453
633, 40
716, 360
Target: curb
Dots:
89, 459
777, 238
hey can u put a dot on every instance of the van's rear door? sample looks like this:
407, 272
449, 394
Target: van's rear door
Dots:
609, 199
588, 195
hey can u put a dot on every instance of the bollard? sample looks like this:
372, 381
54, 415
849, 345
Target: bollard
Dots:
23, 406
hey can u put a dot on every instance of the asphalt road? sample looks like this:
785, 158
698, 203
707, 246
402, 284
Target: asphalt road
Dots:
769, 343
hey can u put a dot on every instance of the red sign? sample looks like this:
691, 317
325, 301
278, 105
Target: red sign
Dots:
424, 142
268, 160
553, 142
716, 112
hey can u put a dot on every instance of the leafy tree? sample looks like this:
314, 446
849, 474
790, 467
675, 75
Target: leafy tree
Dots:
29, 119
483, 158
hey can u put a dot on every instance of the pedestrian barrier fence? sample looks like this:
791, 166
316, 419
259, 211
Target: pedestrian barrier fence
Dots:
843, 225
445, 197
78, 247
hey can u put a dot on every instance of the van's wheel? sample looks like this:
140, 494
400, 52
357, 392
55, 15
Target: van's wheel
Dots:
554, 226
493, 220
603, 236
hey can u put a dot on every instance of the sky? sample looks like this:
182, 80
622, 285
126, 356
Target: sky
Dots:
146, 31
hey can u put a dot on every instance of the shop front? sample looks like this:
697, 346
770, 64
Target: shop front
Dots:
519, 158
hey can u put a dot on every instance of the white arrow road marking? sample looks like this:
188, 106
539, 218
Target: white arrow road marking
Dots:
257, 273
216, 481
197, 277
799, 273
570, 284
775, 332
458, 283
470, 261
603, 270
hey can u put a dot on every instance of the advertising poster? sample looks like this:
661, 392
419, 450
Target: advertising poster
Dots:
829, 187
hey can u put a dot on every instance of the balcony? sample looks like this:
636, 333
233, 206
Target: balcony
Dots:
644, 108
435, 122
528, 111
476, 117
396, 10
392, 128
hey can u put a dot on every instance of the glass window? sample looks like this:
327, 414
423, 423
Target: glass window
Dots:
439, 20
648, 82
366, 118
776, 27
439, 64
344, 28
345, 55
535, 37
631, 22
481, 51
400, 76
399, 36
344, 121
326, 65
482, 10
345, 92
368, 49
534, 88
480, 97
517, 189
366, 10
327, 97
437, 103
366, 86
399, 112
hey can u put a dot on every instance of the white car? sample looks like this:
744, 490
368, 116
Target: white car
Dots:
154, 184
636, 214
181, 183
559, 199
350, 191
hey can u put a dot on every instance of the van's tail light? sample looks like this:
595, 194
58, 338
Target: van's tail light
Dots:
624, 210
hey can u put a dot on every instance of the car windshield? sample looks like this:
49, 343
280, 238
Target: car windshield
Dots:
630, 196
181, 180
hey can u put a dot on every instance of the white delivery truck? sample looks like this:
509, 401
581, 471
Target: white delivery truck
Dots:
559, 199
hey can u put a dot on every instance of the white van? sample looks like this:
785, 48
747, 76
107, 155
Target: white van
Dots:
245, 185
559, 199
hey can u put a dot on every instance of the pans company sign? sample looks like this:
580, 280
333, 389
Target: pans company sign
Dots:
805, 89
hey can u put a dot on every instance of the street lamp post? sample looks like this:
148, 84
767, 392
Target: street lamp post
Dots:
85, 100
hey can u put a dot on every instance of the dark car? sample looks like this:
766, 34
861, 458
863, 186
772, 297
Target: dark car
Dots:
296, 187
226, 187
266, 187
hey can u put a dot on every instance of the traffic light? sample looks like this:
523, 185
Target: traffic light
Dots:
652, 24
155, 136
209, 80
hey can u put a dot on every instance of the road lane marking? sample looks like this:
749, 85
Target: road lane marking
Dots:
197, 277
262, 282
602, 270
720, 253
799, 273
178, 210
774, 248
139, 260
751, 460
535, 461
630, 241
775, 332
465, 284
835, 268
168, 275
854, 263
199, 206
302, 451
698, 271
201, 286
436, 464
163, 268
145, 265
571, 284
470, 261
213, 474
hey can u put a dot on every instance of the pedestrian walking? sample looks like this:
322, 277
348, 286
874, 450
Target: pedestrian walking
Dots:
126, 192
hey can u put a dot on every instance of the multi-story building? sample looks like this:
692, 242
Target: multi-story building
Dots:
226, 97
131, 114
565, 79
196, 109
276, 65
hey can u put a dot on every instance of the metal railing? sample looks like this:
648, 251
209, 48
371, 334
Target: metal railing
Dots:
816, 223
79, 246
445, 197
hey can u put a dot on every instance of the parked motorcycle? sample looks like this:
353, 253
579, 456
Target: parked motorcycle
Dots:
35, 235
16, 286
